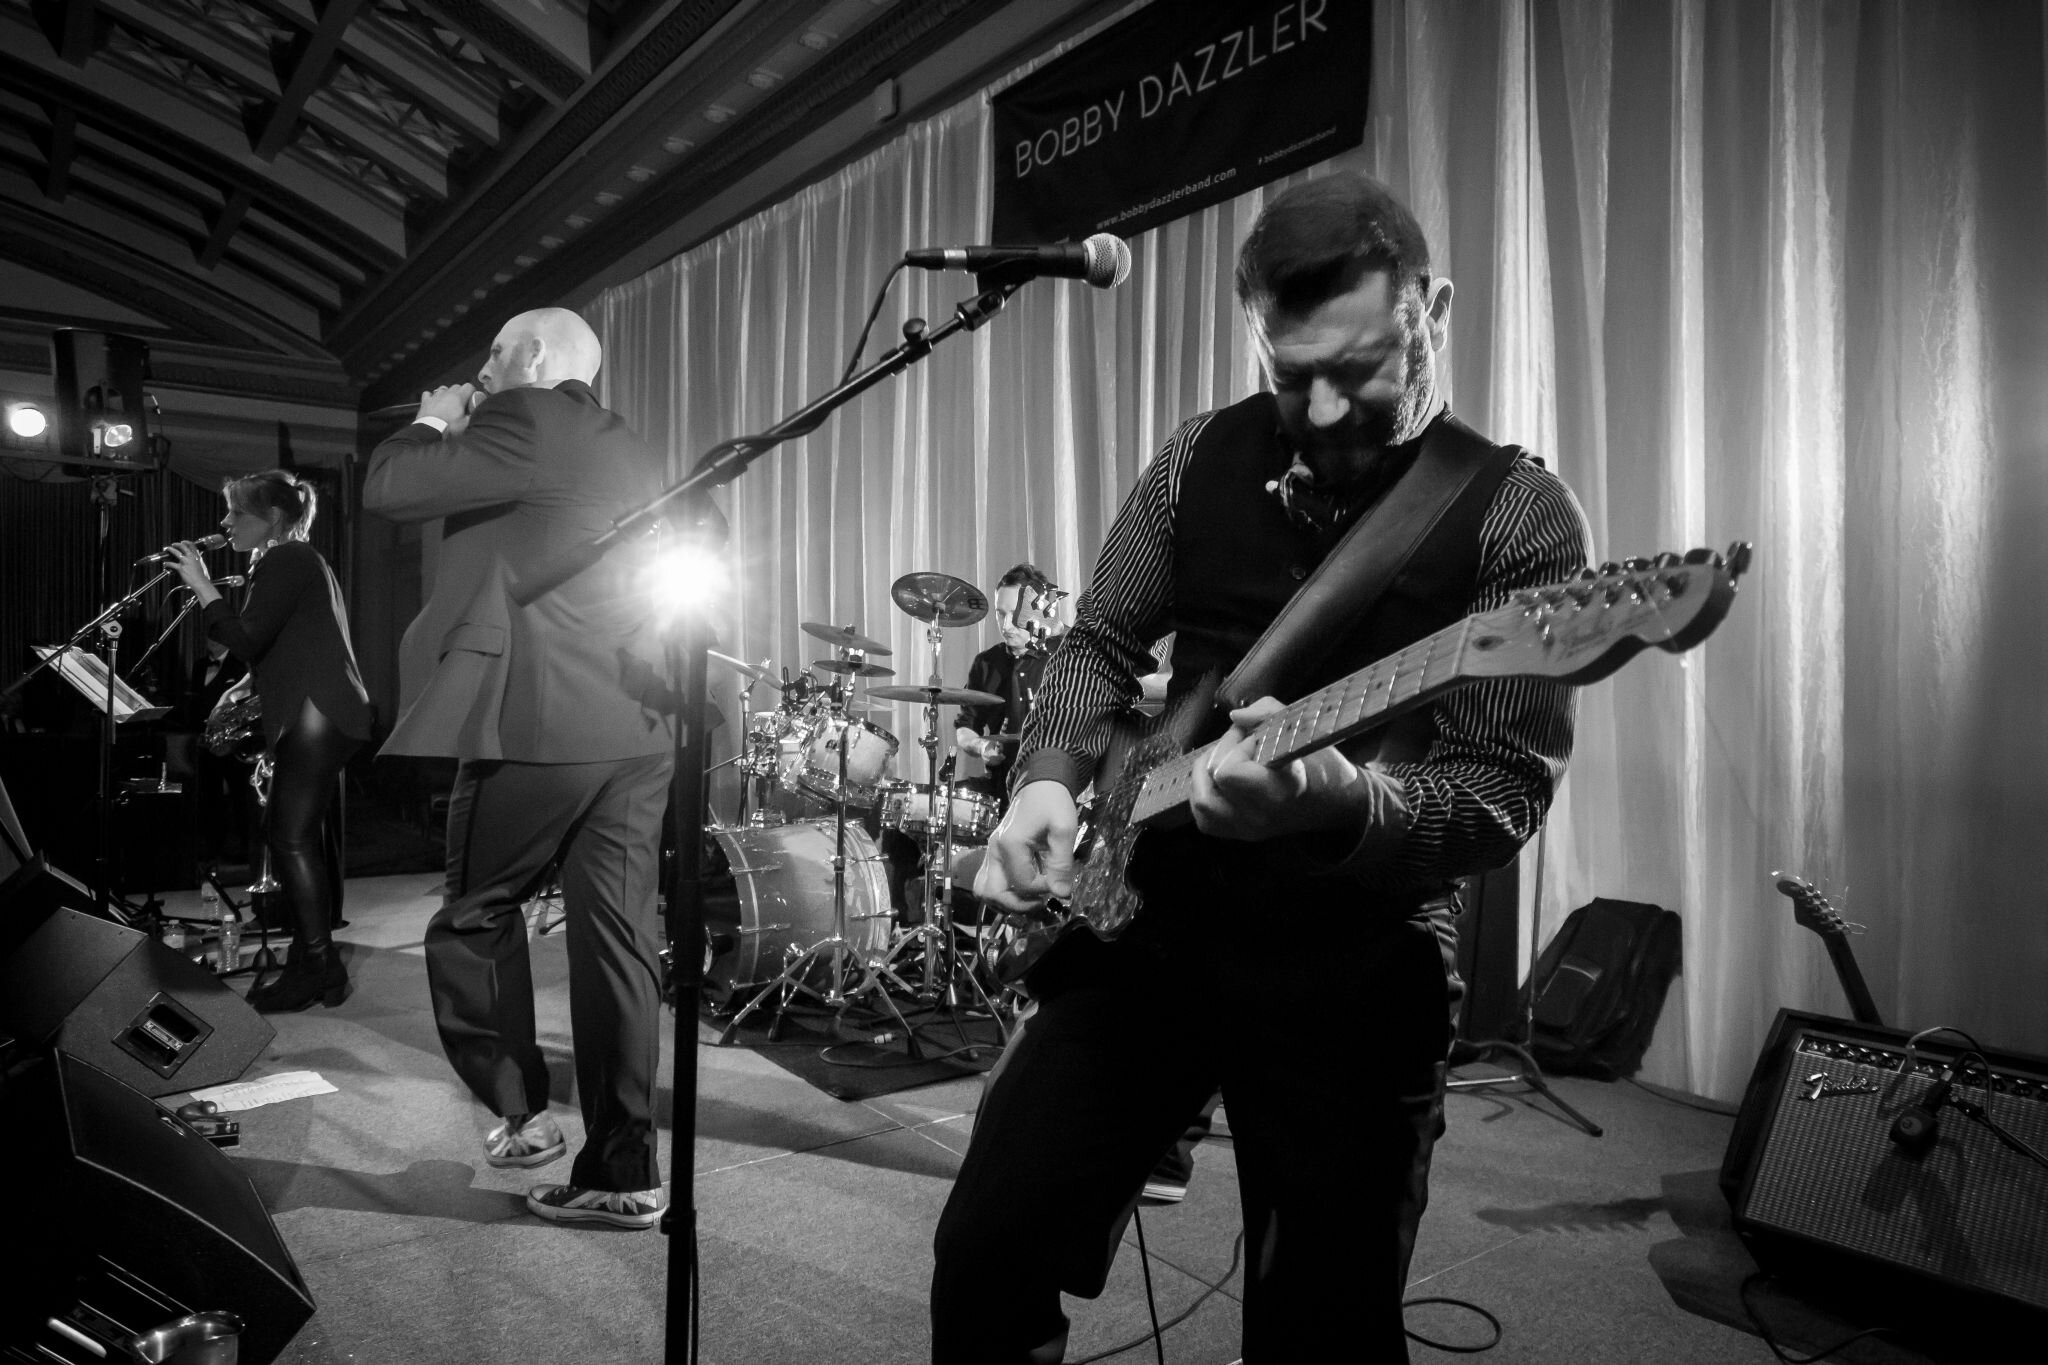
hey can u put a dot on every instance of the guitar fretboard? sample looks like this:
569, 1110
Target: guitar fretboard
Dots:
1330, 715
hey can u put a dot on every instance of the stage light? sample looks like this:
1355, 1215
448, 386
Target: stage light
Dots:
684, 578
115, 435
26, 420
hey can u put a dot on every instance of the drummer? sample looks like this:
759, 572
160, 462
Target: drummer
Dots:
1027, 608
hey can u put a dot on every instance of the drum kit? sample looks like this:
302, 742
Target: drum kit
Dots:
810, 910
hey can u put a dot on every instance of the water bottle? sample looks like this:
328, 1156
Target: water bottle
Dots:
228, 946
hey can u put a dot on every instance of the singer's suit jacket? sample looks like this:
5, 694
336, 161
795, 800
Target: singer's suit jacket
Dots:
569, 678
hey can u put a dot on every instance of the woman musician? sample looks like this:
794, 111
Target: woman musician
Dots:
293, 632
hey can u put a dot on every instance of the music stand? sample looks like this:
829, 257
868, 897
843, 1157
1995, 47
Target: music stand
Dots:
118, 703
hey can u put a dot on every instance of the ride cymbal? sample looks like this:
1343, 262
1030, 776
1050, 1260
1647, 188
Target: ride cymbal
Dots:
842, 637
937, 696
939, 598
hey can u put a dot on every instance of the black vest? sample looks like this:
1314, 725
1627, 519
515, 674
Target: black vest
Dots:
1238, 557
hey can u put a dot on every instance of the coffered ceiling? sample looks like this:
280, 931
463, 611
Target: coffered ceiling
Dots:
334, 204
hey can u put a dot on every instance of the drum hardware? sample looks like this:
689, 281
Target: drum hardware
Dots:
876, 971
755, 774
941, 601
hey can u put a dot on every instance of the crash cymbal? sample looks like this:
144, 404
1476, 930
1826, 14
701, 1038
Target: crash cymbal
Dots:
849, 670
937, 696
758, 672
939, 598
842, 637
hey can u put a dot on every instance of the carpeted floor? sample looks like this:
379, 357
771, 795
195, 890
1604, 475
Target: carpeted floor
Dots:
815, 1215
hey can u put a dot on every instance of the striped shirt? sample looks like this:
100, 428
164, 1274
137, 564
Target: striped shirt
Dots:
1500, 744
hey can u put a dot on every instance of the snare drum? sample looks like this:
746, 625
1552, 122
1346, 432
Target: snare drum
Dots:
869, 752
909, 806
774, 893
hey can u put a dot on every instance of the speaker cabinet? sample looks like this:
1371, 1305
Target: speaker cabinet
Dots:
1819, 1189
127, 1219
117, 998
101, 409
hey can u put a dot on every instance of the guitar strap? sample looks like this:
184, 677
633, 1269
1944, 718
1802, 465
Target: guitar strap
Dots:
1353, 577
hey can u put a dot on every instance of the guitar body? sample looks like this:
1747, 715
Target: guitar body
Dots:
1104, 897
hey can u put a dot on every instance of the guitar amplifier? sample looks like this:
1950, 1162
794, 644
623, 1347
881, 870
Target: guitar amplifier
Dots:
1819, 1189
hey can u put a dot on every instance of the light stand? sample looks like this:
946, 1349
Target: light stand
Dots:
688, 664
1528, 1072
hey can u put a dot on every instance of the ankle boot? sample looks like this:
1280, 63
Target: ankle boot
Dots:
307, 977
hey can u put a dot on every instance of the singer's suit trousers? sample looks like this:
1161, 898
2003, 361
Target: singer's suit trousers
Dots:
507, 822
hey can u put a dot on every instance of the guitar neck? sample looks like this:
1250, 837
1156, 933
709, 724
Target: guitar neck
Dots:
1329, 715
1861, 1007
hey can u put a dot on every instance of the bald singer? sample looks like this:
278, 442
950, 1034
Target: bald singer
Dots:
550, 709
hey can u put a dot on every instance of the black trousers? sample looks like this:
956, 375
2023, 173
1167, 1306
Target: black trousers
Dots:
303, 857
1329, 1051
507, 822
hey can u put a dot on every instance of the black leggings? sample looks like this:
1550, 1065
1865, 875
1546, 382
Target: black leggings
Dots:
307, 758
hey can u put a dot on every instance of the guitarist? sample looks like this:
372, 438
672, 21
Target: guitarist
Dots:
1296, 942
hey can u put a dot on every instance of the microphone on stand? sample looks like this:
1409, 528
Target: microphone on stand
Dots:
203, 544
1103, 261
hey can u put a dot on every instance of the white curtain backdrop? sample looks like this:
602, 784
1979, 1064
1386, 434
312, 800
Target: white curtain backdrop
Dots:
1759, 271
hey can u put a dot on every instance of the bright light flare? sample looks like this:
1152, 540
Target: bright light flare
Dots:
116, 435
684, 578
27, 421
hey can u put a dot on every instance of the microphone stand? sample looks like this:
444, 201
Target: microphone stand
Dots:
687, 659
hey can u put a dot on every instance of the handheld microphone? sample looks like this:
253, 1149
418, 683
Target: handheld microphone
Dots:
204, 543
1103, 261
395, 410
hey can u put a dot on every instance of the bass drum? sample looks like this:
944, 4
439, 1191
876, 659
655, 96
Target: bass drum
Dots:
768, 891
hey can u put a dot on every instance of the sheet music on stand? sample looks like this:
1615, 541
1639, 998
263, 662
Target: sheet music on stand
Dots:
87, 673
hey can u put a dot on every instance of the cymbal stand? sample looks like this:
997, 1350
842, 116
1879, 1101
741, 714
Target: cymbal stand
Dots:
837, 947
935, 934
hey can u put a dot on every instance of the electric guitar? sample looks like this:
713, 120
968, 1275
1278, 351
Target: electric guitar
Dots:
1812, 911
1575, 632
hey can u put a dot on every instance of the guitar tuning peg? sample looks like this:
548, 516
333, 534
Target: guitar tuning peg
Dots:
1665, 559
1609, 569
1635, 564
1699, 554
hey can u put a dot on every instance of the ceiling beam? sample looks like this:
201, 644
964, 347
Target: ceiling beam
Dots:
83, 32
174, 29
164, 125
450, 95
900, 37
507, 45
58, 150
225, 224
309, 61
452, 252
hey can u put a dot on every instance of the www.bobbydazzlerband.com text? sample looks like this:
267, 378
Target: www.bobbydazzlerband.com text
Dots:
1204, 183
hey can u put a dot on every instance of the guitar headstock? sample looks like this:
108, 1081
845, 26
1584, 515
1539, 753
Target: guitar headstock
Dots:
1584, 628
1811, 909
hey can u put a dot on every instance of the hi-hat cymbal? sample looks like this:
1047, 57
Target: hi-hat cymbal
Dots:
850, 670
937, 696
939, 598
758, 672
842, 637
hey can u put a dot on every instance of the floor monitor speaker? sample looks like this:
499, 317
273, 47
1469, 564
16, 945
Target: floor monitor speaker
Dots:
128, 1219
117, 998
1821, 1189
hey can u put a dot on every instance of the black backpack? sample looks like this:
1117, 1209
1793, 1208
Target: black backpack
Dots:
1599, 987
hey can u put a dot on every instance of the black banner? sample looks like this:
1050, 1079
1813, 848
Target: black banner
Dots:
1182, 105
